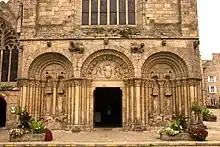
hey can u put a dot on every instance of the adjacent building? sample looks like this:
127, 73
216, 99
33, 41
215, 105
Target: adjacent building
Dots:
81, 64
211, 78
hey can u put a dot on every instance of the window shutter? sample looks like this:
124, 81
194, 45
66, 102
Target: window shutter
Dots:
215, 89
209, 89
214, 78
208, 78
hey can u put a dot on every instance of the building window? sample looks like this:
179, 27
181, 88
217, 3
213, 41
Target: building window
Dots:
211, 79
8, 53
212, 89
108, 12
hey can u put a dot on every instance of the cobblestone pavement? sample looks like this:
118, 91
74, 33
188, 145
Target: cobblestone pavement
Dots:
115, 135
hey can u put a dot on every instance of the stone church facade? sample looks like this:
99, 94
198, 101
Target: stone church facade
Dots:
66, 49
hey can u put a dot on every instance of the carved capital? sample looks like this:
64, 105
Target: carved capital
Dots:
126, 83
78, 82
161, 83
89, 83
137, 82
22, 82
178, 83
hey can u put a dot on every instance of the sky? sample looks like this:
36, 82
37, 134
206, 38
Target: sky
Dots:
209, 27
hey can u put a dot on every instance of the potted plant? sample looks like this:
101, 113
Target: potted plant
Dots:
177, 130
198, 133
208, 115
27, 129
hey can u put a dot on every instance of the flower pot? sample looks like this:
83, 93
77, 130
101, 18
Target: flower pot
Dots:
178, 137
28, 137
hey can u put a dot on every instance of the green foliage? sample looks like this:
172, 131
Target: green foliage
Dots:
208, 115
24, 116
26, 123
178, 125
175, 125
195, 107
36, 127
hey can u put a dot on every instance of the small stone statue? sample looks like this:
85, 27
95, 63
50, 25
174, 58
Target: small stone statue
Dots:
137, 48
76, 47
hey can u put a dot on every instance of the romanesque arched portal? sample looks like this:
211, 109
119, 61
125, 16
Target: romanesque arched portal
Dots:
165, 81
107, 69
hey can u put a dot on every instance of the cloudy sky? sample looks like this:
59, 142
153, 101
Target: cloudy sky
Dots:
209, 27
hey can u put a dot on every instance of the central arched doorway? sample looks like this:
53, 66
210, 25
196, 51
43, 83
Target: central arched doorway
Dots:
108, 107
3, 106
108, 70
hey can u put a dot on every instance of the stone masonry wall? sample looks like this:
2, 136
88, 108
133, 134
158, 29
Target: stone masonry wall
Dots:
163, 11
212, 68
182, 48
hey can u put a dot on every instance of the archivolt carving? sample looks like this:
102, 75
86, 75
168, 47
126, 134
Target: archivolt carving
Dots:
50, 64
164, 63
107, 64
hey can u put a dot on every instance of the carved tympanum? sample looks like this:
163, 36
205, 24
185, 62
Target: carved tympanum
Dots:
137, 48
76, 47
107, 70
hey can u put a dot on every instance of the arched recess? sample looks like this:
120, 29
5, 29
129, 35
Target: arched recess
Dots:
53, 65
165, 75
3, 108
9, 46
107, 64
163, 64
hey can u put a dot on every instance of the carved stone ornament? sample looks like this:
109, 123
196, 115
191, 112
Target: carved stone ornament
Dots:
107, 70
155, 90
60, 90
196, 44
137, 48
168, 92
76, 47
48, 90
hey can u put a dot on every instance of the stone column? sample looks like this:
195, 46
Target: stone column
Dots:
124, 109
192, 90
143, 103
77, 101
186, 105
137, 85
69, 101
146, 102
54, 97
42, 102
127, 109
173, 100
88, 104
24, 84
37, 104
83, 103
72, 102
131, 102
31, 87
179, 106
161, 96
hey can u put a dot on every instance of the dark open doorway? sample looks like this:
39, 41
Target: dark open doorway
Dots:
108, 107
3, 106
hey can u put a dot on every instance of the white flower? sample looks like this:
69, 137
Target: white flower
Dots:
13, 110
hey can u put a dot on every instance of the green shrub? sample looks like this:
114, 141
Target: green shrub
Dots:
36, 127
